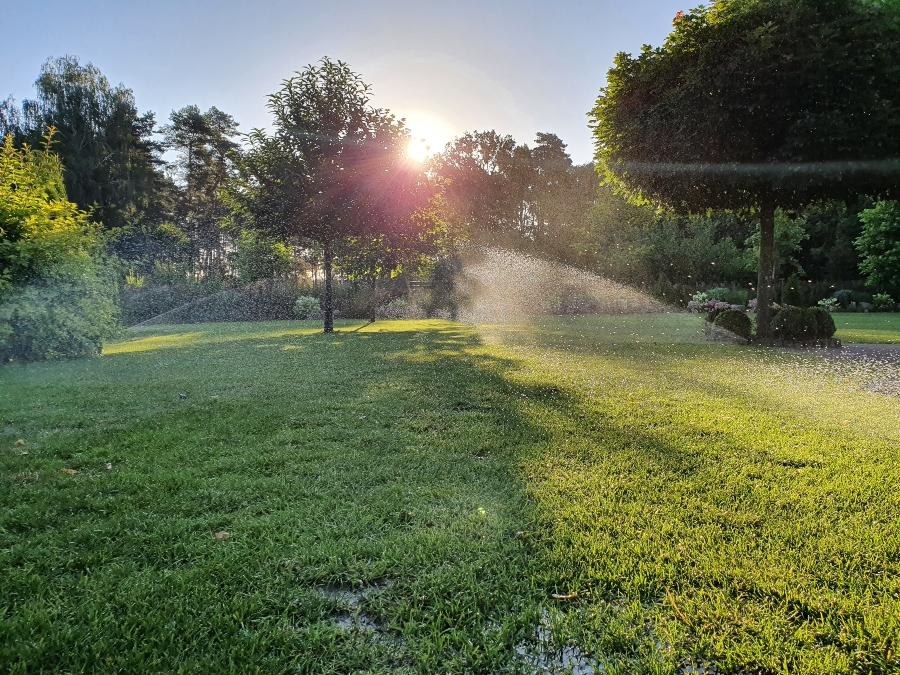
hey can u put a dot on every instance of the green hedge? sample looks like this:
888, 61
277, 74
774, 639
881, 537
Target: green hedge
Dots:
803, 324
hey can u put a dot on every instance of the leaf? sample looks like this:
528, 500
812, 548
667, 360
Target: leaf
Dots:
70, 472
222, 535
564, 596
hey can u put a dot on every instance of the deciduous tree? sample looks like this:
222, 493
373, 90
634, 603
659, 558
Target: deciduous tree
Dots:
762, 103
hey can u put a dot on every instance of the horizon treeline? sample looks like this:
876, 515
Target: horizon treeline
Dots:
160, 191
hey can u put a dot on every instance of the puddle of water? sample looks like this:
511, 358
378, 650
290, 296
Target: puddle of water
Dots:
351, 601
542, 656
356, 622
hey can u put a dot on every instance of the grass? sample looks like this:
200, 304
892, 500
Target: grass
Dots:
873, 328
686, 503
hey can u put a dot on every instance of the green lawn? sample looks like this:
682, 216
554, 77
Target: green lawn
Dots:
874, 328
412, 495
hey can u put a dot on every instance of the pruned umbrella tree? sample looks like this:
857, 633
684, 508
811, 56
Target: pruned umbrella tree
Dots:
334, 168
758, 104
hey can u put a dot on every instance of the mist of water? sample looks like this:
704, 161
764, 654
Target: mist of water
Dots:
502, 286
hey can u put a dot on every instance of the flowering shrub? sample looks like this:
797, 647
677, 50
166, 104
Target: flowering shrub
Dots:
699, 297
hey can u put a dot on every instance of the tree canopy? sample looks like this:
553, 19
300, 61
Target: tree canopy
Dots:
335, 167
757, 103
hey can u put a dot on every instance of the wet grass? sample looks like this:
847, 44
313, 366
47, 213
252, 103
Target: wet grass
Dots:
880, 328
412, 496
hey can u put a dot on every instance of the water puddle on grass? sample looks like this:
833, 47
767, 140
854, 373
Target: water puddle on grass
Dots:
351, 601
541, 656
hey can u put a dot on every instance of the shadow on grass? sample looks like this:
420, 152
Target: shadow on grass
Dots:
475, 480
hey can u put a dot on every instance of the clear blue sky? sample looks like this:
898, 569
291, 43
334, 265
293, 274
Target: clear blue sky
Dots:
518, 67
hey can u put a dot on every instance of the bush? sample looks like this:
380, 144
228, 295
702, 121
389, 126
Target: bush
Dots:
879, 246
735, 322
795, 292
843, 298
307, 307
828, 304
262, 301
803, 324
397, 308
714, 308
823, 322
733, 296
882, 302
60, 317
257, 257
140, 303
57, 289
572, 299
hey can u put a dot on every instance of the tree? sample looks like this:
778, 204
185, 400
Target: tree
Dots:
879, 247
257, 257
206, 151
107, 147
57, 293
334, 168
483, 189
757, 103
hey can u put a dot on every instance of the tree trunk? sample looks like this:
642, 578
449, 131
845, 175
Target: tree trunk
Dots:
765, 286
328, 304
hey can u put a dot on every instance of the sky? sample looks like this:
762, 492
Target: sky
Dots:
447, 67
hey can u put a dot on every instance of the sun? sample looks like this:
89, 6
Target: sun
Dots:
418, 150
429, 133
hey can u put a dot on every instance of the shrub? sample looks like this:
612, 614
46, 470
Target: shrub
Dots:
64, 314
795, 292
261, 301
802, 324
717, 294
700, 297
733, 296
257, 257
169, 274
307, 307
735, 322
141, 303
843, 298
57, 290
398, 308
828, 304
879, 246
714, 308
572, 299
882, 302
823, 323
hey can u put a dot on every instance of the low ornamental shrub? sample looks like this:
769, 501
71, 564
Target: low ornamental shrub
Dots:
796, 292
714, 308
733, 296
803, 324
843, 298
735, 322
307, 307
828, 304
882, 302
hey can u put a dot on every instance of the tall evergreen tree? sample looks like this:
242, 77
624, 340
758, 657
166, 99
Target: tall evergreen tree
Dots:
205, 147
112, 162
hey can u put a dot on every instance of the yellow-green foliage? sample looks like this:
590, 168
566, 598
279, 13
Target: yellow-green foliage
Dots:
57, 296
